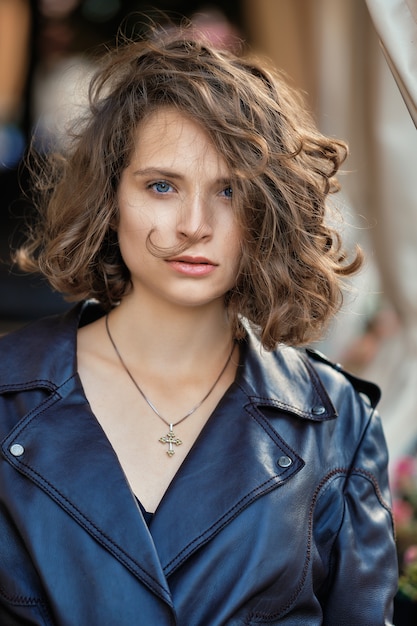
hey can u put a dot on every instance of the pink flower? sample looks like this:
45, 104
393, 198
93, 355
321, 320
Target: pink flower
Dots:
404, 473
410, 555
402, 511
406, 466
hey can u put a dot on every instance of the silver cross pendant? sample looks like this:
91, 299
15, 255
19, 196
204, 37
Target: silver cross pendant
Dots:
171, 440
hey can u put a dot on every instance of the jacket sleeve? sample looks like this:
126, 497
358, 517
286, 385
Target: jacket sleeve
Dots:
364, 569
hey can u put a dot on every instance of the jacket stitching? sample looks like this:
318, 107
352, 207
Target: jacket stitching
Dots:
282, 405
20, 600
371, 478
267, 401
35, 383
257, 615
336, 474
26, 601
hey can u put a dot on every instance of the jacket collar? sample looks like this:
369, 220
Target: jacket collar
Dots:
284, 379
43, 353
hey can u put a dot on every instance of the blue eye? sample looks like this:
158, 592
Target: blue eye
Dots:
228, 192
161, 187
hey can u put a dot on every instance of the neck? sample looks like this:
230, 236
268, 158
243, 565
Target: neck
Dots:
157, 333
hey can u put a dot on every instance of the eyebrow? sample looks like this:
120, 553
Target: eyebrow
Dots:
156, 171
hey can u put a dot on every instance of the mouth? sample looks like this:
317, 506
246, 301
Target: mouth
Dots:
192, 260
192, 265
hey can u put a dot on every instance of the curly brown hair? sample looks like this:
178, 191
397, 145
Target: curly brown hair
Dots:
282, 170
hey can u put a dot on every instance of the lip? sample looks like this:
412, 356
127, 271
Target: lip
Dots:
192, 265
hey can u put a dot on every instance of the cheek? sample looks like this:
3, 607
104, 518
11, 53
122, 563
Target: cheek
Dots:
136, 223
132, 216
234, 243
132, 234
132, 237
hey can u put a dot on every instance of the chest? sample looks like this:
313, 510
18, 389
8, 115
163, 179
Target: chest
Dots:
149, 450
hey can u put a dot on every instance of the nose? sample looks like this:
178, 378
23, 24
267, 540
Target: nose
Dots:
195, 218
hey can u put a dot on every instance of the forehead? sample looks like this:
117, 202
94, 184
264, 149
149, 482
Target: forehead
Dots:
170, 136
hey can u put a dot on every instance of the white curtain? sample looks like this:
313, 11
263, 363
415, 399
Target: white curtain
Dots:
395, 203
331, 49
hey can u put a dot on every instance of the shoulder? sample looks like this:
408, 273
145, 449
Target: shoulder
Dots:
333, 374
42, 352
303, 382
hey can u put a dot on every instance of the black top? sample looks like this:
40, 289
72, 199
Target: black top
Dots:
146, 515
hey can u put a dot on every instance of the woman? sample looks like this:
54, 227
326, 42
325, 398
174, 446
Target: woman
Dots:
167, 457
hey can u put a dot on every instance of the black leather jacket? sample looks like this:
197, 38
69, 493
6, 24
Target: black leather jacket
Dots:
279, 514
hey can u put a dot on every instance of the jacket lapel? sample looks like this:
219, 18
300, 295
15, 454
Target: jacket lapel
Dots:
67, 454
239, 456
233, 462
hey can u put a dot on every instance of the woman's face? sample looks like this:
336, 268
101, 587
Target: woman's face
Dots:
178, 186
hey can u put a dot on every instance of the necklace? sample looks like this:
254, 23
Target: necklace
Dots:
170, 438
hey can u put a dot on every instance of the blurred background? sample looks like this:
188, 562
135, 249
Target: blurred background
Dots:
358, 89
331, 50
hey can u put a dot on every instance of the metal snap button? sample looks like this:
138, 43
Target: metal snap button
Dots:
318, 410
16, 449
284, 461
